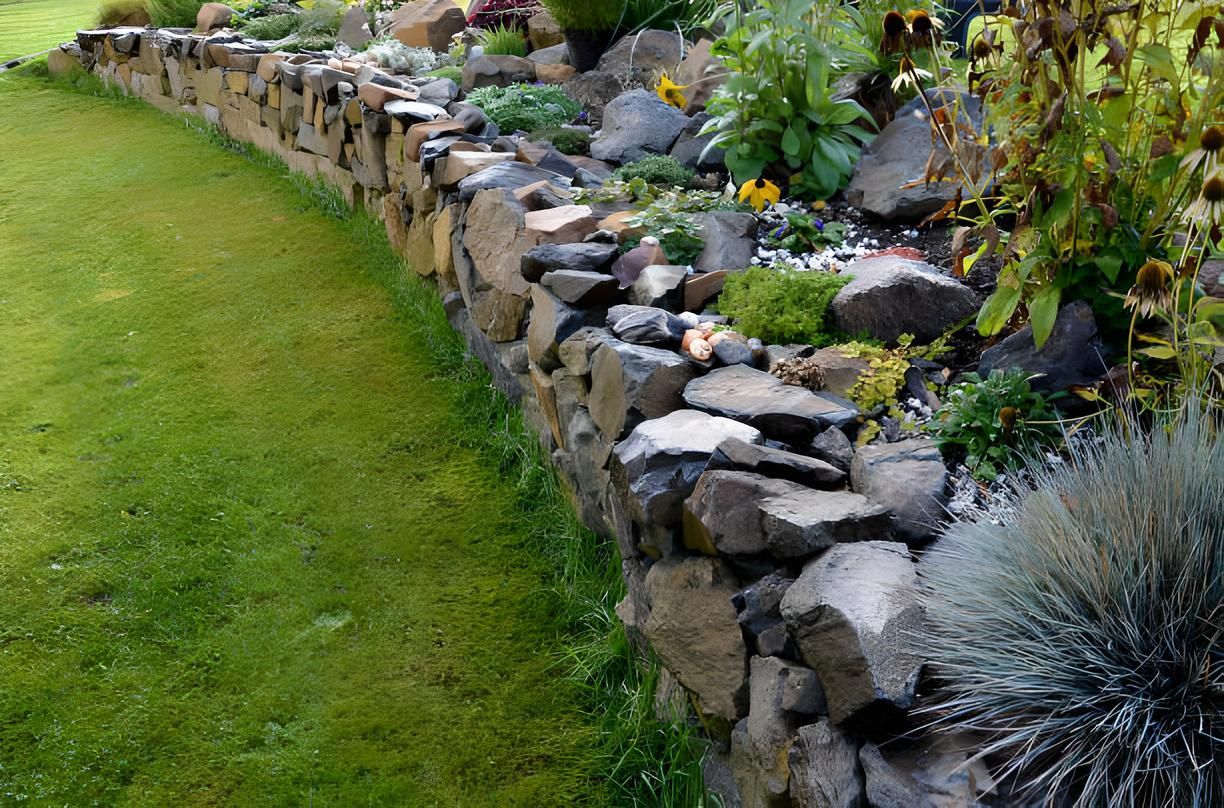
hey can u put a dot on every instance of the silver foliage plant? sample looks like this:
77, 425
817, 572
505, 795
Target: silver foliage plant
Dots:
1082, 631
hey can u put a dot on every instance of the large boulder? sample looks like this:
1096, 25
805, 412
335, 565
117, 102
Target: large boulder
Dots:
824, 768
890, 296
853, 613
658, 465
784, 412
632, 383
427, 23
898, 156
638, 58
1073, 354
907, 478
635, 125
692, 628
497, 71
737, 513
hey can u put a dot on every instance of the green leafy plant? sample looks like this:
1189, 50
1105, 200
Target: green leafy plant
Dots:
174, 13
452, 72
679, 233
775, 115
995, 422
323, 18
503, 41
806, 234
1097, 122
564, 139
1080, 629
657, 169
880, 383
525, 107
781, 305
583, 15
272, 27
668, 15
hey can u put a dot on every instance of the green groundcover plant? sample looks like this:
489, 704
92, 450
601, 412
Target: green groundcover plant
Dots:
781, 305
525, 107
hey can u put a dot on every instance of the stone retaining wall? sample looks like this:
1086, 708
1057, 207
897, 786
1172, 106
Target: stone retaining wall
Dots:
770, 565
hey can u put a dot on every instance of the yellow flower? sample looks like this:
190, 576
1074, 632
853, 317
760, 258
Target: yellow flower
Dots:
1152, 289
671, 93
819, 205
759, 193
909, 73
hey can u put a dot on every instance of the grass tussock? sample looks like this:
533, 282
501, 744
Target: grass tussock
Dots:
1085, 634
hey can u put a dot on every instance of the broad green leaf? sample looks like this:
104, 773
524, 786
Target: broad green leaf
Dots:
1043, 311
997, 310
1159, 352
790, 142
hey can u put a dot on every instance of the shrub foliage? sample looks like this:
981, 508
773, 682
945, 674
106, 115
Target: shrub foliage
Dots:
1084, 633
525, 107
780, 305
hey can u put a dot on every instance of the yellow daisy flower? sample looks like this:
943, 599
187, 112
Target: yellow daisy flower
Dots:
671, 93
759, 193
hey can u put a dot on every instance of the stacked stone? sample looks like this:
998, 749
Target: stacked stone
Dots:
770, 565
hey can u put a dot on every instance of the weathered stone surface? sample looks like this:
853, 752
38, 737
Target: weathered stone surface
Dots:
693, 630
738, 513
635, 125
659, 286
563, 225
929, 774
658, 465
552, 56
758, 612
638, 58
583, 289
645, 325
853, 613
427, 23
506, 173
631, 383
494, 236
576, 352
833, 447
544, 32
702, 72
890, 296
730, 241
783, 412
439, 91
463, 164
733, 352
1073, 354
410, 112
898, 157
376, 96
582, 257
770, 462
907, 478
839, 371
824, 768
212, 16
355, 29
779, 692
552, 321
497, 71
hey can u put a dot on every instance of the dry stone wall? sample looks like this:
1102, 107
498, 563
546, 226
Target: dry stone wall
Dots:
770, 567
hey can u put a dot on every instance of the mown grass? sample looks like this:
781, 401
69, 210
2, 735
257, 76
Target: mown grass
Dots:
266, 535
30, 26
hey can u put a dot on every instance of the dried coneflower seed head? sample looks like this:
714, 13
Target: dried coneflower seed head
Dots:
1212, 139
920, 23
981, 49
1213, 189
894, 24
1152, 276
1008, 416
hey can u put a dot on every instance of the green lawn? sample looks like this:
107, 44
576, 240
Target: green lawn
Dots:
30, 26
244, 560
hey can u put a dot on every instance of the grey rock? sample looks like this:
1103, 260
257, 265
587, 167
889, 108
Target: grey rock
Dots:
552, 321
691, 147
583, 289
783, 412
510, 175
929, 774
853, 613
594, 90
890, 296
758, 612
576, 352
582, 257
730, 241
908, 478
1073, 354
439, 91
631, 383
898, 156
473, 118
658, 465
355, 29
760, 742
732, 352
638, 58
824, 768
659, 286
738, 513
693, 630
833, 447
645, 325
635, 125
497, 71
770, 462
553, 55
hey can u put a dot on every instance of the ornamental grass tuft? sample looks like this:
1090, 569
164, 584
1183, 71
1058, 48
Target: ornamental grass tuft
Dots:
1083, 633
